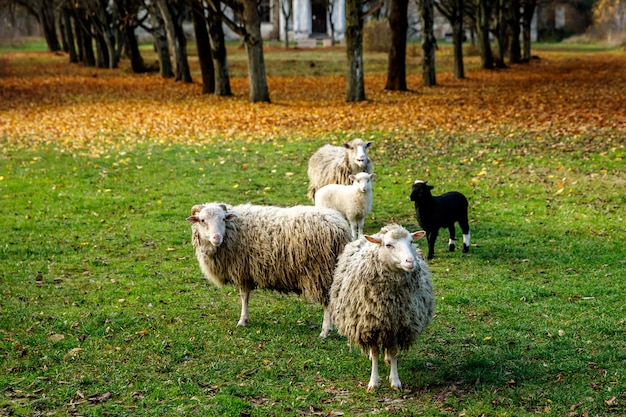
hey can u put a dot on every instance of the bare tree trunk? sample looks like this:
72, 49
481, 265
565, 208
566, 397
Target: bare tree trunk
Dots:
515, 53
176, 39
128, 15
203, 43
286, 7
254, 47
527, 16
457, 39
354, 50
69, 34
429, 43
483, 23
45, 9
396, 63
218, 50
501, 31
160, 41
89, 59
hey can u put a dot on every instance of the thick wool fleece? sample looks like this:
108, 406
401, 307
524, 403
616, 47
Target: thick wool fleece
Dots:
374, 305
334, 165
285, 249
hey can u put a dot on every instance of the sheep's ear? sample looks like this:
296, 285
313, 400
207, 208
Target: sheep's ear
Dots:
192, 219
373, 239
196, 209
368, 144
223, 207
347, 145
418, 235
352, 177
230, 217
430, 187
372, 176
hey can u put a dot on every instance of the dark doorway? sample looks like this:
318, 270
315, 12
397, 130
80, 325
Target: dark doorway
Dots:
318, 16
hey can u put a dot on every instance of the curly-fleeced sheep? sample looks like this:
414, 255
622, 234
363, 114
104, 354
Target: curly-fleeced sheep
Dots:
334, 164
285, 249
353, 201
436, 212
382, 296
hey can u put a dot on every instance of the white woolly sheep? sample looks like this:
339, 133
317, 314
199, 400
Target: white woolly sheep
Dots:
436, 212
285, 249
382, 296
353, 201
334, 164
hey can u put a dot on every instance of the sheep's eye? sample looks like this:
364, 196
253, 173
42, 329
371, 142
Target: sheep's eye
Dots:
389, 246
202, 220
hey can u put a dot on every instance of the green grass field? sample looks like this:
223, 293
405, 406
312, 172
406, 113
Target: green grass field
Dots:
104, 310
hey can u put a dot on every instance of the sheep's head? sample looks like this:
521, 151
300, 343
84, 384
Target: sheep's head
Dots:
396, 247
421, 191
363, 181
357, 152
210, 220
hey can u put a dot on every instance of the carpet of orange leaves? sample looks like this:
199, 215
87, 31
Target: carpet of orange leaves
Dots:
53, 103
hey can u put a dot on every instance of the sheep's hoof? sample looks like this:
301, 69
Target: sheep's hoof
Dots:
452, 248
372, 386
465, 248
395, 384
242, 323
324, 333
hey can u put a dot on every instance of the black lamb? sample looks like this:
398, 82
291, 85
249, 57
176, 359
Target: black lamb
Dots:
435, 212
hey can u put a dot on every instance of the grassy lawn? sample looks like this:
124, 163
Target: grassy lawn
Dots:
103, 309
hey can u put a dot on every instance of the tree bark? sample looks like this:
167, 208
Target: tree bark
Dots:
176, 39
527, 16
457, 39
86, 39
483, 23
128, 15
501, 31
453, 11
259, 91
354, 51
160, 42
69, 34
396, 64
429, 43
203, 44
218, 50
45, 10
515, 52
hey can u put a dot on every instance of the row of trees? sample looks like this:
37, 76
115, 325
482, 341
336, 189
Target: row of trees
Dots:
97, 32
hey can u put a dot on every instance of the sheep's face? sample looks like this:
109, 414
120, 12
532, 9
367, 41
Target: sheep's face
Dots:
421, 191
396, 247
363, 181
210, 220
357, 151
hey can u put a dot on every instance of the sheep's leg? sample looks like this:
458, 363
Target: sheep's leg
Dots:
431, 236
361, 224
466, 242
354, 228
373, 384
464, 223
394, 379
452, 241
327, 324
244, 294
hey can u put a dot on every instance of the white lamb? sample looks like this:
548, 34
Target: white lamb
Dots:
285, 249
334, 164
382, 296
353, 201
